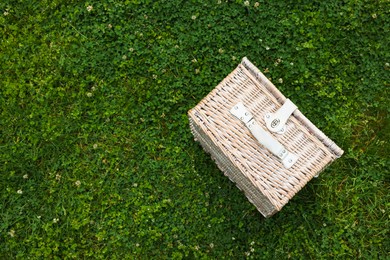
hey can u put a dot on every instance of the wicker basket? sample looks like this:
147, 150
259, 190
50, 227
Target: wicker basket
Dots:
270, 166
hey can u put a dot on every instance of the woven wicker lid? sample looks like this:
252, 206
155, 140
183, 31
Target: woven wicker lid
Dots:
247, 85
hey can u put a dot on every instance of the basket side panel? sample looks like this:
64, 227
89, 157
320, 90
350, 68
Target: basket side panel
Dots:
254, 195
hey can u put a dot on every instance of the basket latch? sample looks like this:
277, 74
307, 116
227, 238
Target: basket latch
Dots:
276, 122
263, 137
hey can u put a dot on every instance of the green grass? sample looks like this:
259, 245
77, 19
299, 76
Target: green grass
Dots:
96, 156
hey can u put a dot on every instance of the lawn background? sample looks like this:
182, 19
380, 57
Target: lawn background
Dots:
96, 156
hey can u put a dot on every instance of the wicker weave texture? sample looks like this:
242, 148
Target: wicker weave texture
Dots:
262, 177
254, 195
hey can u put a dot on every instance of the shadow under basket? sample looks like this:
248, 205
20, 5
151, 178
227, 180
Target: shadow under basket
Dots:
260, 139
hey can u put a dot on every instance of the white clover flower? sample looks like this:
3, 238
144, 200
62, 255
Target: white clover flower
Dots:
89, 94
11, 233
291, 63
256, 4
247, 253
124, 57
387, 64
109, 26
252, 243
193, 17
194, 60
211, 245
196, 247
177, 46
280, 80
25, 176
267, 48
20, 192
95, 146
131, 49
374, 16
135, 185
39, 217
252, 249
197, 71
220, 50
93, 88
58, 177
233, 57
233, 238
89, 8
55, 220
77, 183
154, 76
137, 245
6, 13
246, 3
